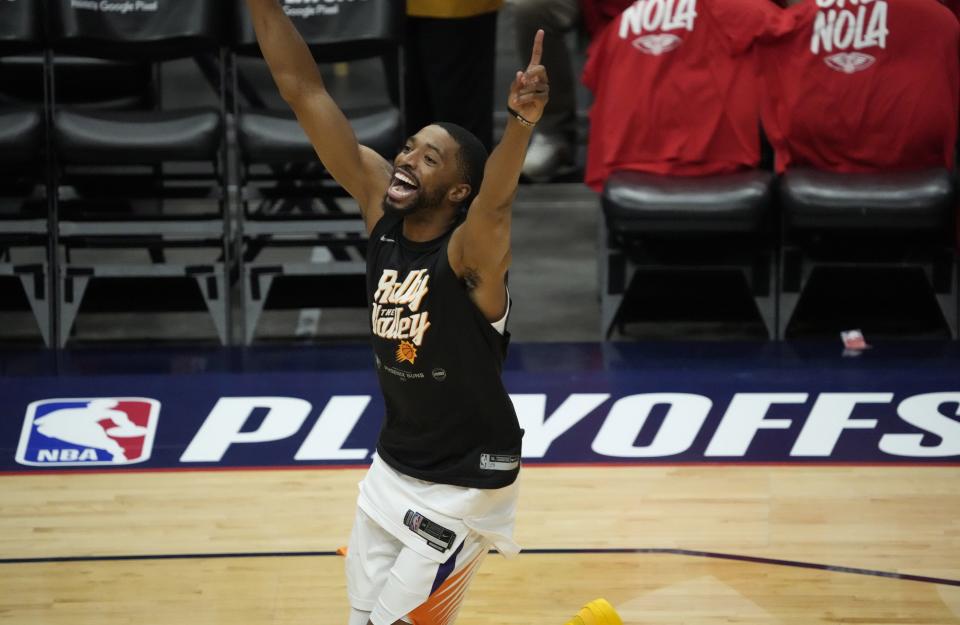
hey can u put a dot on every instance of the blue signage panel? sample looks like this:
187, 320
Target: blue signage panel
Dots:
612, 403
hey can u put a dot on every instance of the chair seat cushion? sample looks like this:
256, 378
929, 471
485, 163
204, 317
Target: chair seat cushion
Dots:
21, 135
138, 137
638, 203
276, 136
918, 200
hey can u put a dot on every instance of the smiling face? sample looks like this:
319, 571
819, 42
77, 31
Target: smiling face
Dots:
426, 174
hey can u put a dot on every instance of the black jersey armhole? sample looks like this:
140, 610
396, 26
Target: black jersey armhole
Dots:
502, 341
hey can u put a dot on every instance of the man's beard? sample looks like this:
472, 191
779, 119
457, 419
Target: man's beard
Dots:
423, 203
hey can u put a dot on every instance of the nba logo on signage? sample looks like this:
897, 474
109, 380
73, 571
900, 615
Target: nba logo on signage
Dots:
96, 431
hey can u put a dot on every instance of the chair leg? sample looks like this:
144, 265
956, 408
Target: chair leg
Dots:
213, 288
610, 272
227, 299
943, 280
603, 246
243, 292
609, 307
35, 288
763, 283
948, 306
955, 297
794, 275
613, 284
255, 297
72, 290
228, 321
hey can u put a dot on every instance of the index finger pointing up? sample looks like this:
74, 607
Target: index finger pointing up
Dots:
537, 49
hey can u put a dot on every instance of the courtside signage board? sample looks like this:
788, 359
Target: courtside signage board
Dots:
597, 410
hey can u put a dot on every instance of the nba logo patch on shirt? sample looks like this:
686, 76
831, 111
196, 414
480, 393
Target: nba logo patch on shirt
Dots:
99, 431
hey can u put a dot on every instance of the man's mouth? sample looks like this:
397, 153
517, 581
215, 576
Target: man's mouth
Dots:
402, 187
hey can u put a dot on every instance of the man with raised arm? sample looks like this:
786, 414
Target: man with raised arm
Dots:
442, 488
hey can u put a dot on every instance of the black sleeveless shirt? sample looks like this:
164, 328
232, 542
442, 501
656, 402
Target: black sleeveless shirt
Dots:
448, 417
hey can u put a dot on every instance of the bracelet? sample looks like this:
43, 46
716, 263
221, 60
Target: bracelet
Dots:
520, 118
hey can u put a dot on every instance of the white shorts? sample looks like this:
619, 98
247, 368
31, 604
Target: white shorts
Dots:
394, 582
416, 545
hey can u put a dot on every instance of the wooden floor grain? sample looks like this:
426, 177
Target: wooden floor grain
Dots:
890, 519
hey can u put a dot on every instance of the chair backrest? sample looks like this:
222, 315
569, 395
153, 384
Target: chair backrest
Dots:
20, 29
335, 30
146, 29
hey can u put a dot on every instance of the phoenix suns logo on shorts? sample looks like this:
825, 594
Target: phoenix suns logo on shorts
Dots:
396, 314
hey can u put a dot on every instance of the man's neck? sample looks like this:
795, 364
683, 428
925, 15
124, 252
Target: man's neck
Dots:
420, 228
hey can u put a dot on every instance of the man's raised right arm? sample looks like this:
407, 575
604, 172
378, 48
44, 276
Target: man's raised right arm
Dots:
361, 171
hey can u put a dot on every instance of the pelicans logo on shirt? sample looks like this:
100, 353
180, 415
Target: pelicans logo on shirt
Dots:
396, 313
843, 28
849, 62
657, 44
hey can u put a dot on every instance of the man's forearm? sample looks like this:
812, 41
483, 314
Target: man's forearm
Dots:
502, 172
291, 64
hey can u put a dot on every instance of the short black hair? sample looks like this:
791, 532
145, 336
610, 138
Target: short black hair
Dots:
472, 158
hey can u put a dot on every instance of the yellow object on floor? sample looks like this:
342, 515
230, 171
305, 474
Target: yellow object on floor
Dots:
597, 612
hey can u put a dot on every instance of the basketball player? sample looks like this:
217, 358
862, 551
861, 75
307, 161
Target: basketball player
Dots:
442, 488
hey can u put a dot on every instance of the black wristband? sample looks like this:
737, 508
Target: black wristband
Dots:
520, 118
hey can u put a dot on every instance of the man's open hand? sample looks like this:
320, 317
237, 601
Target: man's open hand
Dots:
530, 89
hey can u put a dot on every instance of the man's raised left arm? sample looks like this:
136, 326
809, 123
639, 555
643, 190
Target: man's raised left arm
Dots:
480, 249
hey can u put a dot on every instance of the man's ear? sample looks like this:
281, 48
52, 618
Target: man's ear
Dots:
458, 193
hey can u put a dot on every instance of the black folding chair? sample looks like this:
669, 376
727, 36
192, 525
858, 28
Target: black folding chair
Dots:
673, 224
143, 179
24, 246
288, 200
893, 220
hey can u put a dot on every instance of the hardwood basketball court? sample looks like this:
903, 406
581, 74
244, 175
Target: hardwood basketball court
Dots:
688, 540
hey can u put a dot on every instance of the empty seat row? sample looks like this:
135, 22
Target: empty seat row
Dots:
135, 183
776, 232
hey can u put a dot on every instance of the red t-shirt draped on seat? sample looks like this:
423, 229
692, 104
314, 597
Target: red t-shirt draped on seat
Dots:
675, 86
599, 13
863, 86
